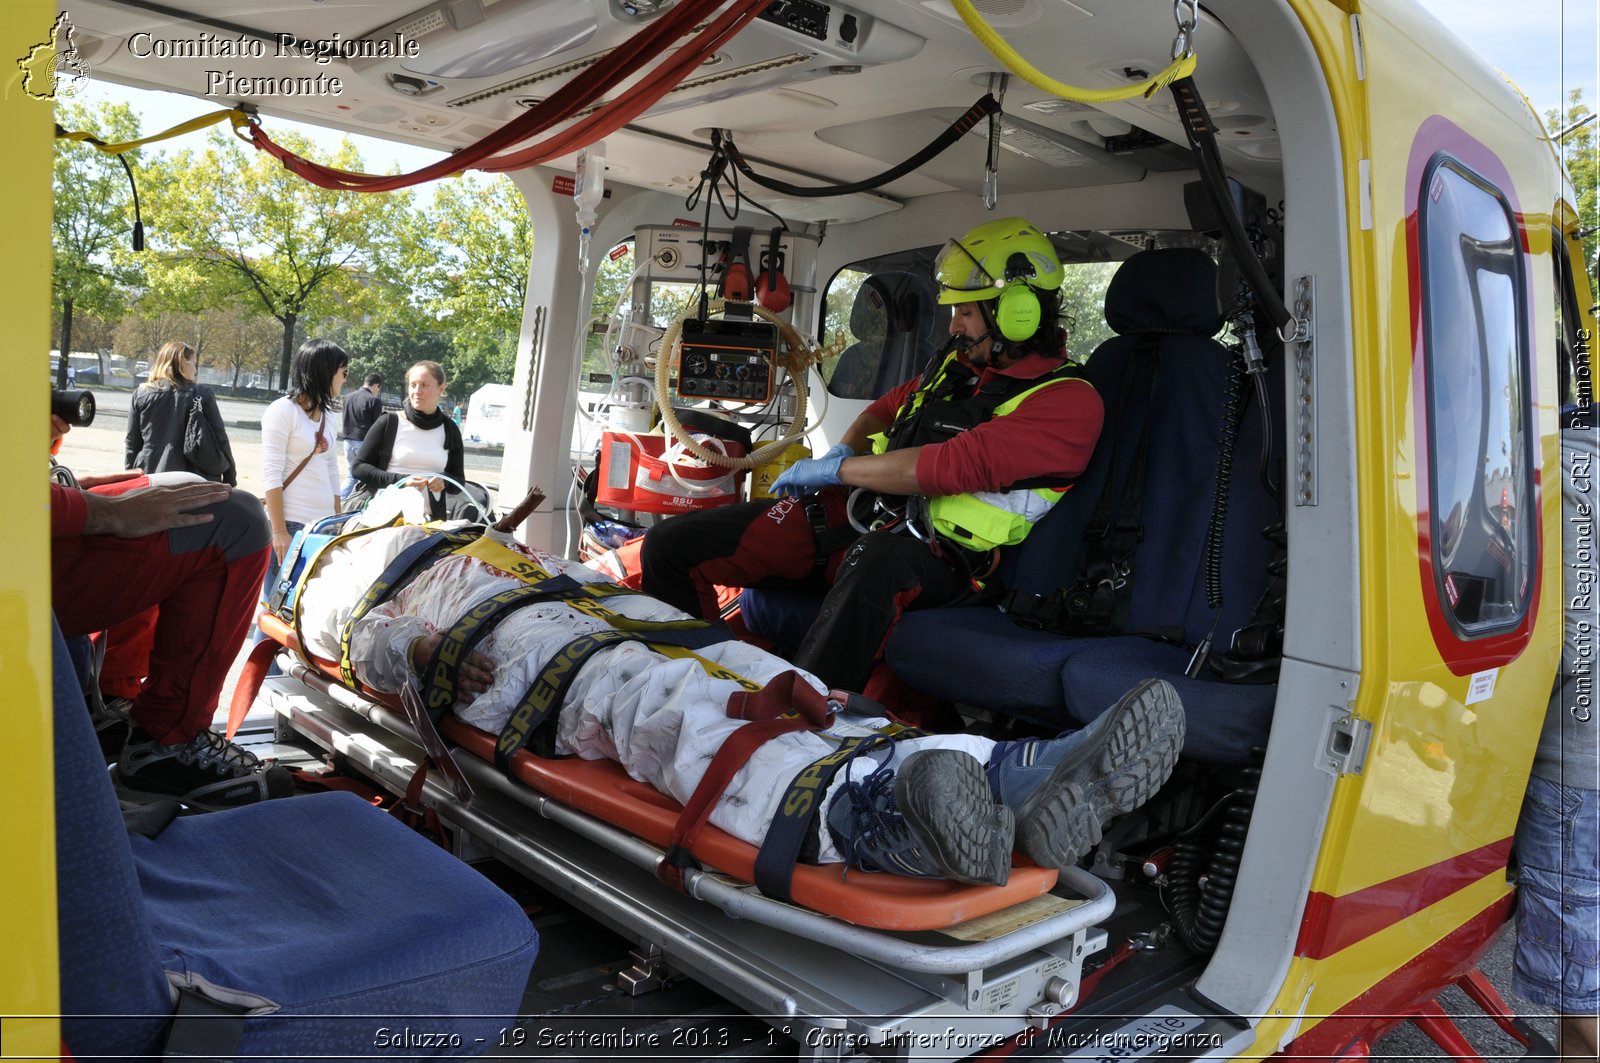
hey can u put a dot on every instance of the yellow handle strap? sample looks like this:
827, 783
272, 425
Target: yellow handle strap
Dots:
1183, 66
239, 118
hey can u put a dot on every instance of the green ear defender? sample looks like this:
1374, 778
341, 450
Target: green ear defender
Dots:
1016, 313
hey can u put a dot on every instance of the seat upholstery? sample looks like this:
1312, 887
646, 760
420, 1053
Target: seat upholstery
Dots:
324, 915
1162, 379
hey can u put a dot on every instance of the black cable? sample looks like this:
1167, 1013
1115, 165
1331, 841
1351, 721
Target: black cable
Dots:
1198, 128
959, 128
138, 219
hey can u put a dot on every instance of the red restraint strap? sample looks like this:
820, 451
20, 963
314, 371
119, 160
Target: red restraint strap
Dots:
766, 707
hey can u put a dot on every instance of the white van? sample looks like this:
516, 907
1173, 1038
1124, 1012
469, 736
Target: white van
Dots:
487, 417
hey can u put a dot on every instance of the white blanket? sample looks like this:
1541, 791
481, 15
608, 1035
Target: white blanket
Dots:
661, 718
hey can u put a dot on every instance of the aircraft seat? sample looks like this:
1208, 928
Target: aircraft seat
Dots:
1164, 382
321, 919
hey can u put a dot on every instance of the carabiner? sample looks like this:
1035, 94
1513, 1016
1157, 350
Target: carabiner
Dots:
1187, 22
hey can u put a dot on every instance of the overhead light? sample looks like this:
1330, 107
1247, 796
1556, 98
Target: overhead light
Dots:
406, 85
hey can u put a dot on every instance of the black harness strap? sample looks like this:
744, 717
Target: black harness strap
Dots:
410, 562
793, 826
549, 689
440, 675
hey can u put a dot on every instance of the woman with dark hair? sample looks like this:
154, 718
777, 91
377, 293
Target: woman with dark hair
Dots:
160, 413
414, 446
299, 469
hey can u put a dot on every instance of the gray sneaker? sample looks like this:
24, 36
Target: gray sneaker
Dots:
933, 817
207, 771
1064, 790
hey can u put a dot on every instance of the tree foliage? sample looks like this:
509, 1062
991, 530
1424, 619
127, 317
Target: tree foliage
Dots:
1582, 159
92, 220
466, 257
238, 225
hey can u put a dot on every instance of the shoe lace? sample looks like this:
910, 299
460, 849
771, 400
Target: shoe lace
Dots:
868, 819
209, 749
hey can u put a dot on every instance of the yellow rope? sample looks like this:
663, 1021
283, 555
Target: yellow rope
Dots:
1180, 67
239, 118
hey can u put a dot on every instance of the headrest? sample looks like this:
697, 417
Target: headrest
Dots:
1170, 290
869, 315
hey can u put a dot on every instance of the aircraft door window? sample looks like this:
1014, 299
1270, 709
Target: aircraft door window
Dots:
1481, 521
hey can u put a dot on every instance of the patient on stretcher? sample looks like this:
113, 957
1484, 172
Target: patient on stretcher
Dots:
948, 806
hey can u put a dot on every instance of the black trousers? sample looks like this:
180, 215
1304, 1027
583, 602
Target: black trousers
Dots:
866, 584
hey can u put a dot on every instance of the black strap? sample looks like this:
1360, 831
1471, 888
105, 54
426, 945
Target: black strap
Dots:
549, 689
204, 1029
409, 563
793, 826
442, 671
794, 821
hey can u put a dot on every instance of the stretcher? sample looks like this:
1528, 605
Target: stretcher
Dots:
1003, 956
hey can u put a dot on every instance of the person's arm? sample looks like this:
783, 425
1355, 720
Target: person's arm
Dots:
275, 424
455, 456
133, 442
894, 473
372, 460
1052, 433
858, 437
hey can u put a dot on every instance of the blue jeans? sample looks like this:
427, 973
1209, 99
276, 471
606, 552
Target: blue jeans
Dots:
1557, 961
268, 585
351, 446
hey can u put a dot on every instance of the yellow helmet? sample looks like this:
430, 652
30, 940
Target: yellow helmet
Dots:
980, 265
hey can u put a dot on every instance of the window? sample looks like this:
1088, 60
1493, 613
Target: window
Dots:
1481, 516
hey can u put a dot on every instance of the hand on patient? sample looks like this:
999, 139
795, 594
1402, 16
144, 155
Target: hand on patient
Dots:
475, 675
813, 474
152, 509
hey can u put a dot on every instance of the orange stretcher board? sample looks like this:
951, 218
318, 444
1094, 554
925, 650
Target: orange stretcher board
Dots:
602, 788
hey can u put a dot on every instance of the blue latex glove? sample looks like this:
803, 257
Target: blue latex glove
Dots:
813, 474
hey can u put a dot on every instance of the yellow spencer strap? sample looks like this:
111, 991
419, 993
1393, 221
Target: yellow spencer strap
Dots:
176, 131
1183, 66
514, 564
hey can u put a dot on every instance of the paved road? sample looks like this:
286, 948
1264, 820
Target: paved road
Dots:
99, 448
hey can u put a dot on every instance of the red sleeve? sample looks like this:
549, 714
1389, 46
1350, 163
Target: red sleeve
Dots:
68, 512
888, 405
1052, 433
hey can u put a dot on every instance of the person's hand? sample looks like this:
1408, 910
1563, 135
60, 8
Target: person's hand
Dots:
280, 544
152, 509
812, 474
473, 677
58, 428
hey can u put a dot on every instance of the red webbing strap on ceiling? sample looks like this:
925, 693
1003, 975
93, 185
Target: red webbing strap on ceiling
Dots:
579, 93
635, 101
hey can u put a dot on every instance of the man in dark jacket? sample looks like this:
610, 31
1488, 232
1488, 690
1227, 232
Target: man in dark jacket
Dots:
363, 407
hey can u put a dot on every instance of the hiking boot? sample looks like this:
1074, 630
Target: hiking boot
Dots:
933, 817
207, 771
1064, 790
111, 724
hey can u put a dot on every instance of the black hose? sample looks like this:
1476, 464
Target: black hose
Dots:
959, 128
1233, 403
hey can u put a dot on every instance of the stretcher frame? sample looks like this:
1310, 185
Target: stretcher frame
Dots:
836, 988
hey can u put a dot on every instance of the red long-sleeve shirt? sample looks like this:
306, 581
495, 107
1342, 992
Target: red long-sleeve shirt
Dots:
1052, 433
69, 512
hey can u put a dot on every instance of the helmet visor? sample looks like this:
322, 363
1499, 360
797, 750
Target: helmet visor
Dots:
961, 273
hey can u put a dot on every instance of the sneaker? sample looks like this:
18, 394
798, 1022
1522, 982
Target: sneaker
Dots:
207, 771
111, 724
1064, 790
933, 817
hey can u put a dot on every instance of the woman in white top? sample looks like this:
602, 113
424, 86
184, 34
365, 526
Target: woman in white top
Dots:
299, 469
414, 446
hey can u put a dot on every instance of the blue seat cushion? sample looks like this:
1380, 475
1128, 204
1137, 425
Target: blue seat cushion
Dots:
982, 657
276, 898
324, 906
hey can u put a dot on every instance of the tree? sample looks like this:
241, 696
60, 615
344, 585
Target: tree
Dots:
244, 226
1579, 155
468, 254
91, 221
